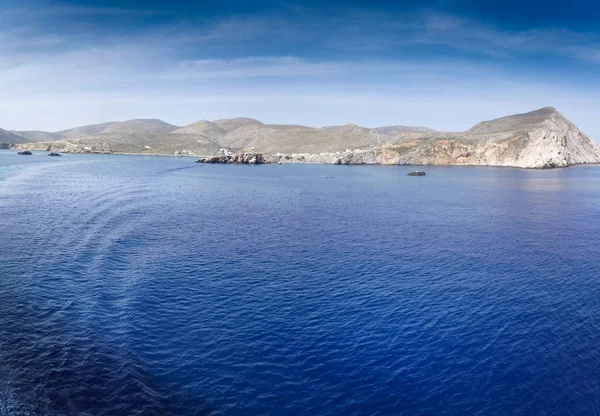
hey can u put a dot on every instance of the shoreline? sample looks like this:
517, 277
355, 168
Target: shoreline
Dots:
308, 163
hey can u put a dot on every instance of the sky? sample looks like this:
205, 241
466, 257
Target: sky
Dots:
444, 64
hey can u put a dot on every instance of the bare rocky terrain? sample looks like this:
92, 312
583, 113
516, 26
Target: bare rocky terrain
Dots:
37, 136
540, 139
84, 130
153, 126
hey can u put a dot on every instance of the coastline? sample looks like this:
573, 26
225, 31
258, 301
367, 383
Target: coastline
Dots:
541, 139
296, 162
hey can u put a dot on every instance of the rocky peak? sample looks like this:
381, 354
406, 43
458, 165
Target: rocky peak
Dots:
230, 124
151, 125
514, 123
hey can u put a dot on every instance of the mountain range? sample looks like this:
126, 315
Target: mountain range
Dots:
538, 139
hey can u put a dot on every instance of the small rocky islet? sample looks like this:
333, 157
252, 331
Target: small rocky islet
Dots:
253, 158
250, 158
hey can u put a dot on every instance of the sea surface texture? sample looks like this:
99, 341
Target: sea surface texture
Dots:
158, 286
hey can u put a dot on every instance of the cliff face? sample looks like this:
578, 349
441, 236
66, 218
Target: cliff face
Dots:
539, 139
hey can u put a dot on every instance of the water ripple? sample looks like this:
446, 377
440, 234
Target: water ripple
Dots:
155, 286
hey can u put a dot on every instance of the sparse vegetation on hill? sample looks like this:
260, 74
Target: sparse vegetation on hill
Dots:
542, 138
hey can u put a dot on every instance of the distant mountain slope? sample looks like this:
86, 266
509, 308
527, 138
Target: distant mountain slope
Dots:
37, 136
84, 130
203, 127
11, 138
390, 130
230, 124
153, 126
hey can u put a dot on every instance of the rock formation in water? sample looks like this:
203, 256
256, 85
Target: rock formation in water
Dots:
240, 158
539, 139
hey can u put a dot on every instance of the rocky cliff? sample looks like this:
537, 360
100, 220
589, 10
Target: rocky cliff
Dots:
539, 139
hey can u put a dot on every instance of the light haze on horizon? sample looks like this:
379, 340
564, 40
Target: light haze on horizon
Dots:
441, 64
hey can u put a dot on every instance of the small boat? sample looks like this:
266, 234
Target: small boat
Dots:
54, 154
25, 153
416, 173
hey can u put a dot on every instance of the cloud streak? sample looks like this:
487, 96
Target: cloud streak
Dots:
299, 65
296, 32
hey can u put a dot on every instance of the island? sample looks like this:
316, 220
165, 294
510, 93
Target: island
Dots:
539, 139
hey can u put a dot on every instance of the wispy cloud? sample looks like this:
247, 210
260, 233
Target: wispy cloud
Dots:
365, 66
251, 67
305, 33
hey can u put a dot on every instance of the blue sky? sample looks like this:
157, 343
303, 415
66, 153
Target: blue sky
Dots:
445, 64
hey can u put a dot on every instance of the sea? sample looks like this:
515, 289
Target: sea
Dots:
139, 285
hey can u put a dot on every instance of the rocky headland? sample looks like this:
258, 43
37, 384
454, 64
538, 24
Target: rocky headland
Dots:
539, 139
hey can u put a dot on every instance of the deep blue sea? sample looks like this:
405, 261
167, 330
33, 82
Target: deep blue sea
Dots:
137, 285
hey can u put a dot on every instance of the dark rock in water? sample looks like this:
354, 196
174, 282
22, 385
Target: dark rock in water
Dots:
416, 173
25, 153
54, 154
240, 158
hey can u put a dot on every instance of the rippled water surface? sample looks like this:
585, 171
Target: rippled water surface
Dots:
157, 286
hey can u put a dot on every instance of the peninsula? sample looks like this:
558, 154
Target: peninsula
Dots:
539, 139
